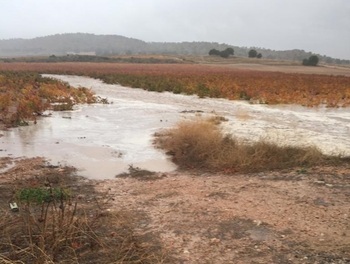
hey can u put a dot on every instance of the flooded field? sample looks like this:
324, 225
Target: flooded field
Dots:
103, 140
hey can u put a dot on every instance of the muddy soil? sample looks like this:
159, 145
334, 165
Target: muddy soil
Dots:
295, 216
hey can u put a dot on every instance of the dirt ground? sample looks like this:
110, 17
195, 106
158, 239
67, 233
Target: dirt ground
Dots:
324, 69
271, 65
295, 216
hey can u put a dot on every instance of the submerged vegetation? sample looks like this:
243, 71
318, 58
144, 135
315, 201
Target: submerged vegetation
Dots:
26, 95
200, 144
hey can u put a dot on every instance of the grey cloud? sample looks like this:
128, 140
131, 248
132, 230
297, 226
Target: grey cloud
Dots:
321, 26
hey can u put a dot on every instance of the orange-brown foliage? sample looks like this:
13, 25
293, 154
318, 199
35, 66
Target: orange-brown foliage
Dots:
212, 81
23, 96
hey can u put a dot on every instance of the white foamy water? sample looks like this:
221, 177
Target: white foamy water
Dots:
103, 140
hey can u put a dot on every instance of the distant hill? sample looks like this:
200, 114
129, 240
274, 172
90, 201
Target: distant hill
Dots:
62, 44
105, 45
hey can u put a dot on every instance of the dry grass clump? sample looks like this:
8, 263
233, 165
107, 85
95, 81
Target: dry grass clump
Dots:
56, 224
201, 144
75, 237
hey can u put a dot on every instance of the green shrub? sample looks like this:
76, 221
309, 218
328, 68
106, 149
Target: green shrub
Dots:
42, 195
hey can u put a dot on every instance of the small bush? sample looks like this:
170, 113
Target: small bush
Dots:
41, 195
201, 144
312, 61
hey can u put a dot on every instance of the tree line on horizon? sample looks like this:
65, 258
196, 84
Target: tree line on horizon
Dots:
108, 45
311, 61
230, 51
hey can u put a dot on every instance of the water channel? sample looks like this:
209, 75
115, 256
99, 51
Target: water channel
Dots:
103, 140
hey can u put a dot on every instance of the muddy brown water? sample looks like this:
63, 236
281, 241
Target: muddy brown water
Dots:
104, 140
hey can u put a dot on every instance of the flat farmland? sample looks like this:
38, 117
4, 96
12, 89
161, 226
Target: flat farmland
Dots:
258, 83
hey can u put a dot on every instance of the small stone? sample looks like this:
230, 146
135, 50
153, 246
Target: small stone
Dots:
319, 182
257, 222
214, 241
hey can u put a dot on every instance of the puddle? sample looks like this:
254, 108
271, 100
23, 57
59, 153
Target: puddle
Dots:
103, 140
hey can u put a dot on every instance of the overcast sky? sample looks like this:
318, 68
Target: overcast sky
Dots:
320, 26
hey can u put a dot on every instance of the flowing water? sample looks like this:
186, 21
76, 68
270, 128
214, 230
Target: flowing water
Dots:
103, 140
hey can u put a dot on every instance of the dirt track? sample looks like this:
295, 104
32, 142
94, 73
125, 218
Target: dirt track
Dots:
297, 216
